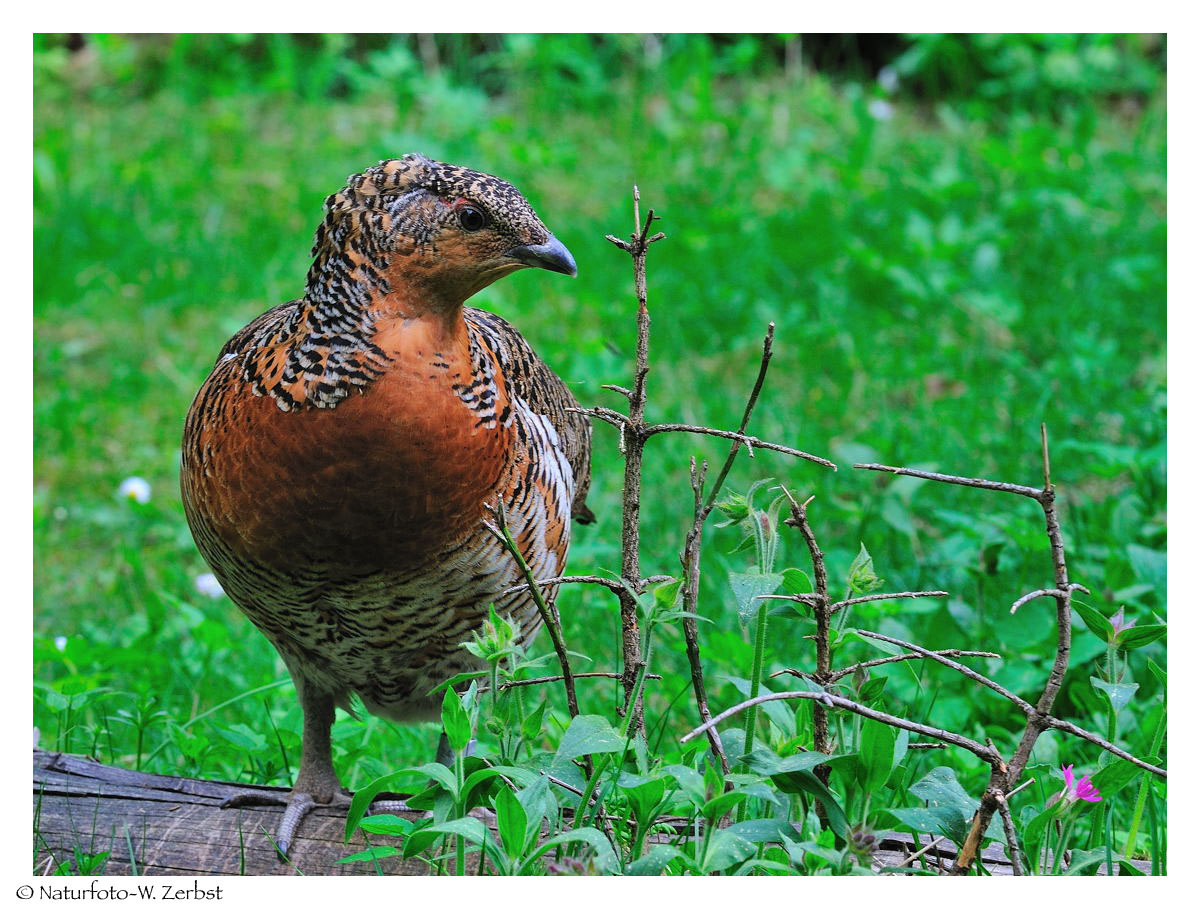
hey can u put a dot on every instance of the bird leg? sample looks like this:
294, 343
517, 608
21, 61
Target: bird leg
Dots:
316, 783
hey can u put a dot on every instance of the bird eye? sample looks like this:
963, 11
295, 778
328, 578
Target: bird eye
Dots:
471, 218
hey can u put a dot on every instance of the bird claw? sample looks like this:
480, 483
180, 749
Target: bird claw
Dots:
297, 806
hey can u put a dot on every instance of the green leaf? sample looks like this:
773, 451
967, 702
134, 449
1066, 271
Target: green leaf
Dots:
588, 734
725, 849
943, 820
941, 788
454, 680
606, 858
877, 749
363, 797
387, 824
666, 594
747, 586
520, 775
645, 799
862, 578
1119, 693
1097, 624
531, 726
722, 804
691, 783
456, 721
1140, 636
762, 830
370, 855
806, 782
872, 688
653, 862
511, 822
796, 582
801, 762
1158, 672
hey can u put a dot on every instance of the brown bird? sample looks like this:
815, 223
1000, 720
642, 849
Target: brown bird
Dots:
340, 461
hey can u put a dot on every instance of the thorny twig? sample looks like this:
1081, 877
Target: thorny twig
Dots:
611, 583
634, 437
899, 658
518, 683
833, 700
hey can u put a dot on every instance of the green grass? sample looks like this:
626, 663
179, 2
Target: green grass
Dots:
942, 282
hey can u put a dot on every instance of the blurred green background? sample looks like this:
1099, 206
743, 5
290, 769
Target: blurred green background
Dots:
958, 237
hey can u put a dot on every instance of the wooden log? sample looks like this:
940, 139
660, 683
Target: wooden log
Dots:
151, 824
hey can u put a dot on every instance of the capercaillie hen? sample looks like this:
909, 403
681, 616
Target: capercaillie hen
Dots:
340, 460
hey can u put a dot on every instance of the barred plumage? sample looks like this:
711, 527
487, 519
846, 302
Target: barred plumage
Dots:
339, 461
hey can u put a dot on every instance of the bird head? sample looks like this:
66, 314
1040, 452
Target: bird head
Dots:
412, 224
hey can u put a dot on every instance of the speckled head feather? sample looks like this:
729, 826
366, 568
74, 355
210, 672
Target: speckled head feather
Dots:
410, 207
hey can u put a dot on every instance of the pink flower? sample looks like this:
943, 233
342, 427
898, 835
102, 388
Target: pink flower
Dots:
1119, 624
1081, 788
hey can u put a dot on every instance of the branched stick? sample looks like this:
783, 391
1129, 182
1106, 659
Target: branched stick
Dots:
558, 678
749, 441
611, 583
549, 616
633, 437
1015, 488
1010, 835
823, 614
907, 594
983, 680
1053, 722
899, 658
979, 749
1048, 592
690, 560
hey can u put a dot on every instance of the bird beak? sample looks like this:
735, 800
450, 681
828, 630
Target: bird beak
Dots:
551, 255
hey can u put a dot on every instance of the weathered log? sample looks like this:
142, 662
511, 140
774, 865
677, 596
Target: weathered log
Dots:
151, 824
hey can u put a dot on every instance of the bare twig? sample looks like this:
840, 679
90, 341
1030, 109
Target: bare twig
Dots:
983, 680
633, 437
1053, 722
1047, 592
549, 616
832, 700
690, 560
949, 478
907, 594
822, 613
763, 363
611, 583
748, 441
558, 678
849, 670
1010, 835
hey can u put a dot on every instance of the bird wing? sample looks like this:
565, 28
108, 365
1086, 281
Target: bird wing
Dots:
531, 379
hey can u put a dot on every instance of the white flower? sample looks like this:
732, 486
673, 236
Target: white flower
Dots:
135, 488
880, 109
60, 643
208, 585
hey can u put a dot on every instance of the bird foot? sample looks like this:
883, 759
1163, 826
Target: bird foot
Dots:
297, 806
